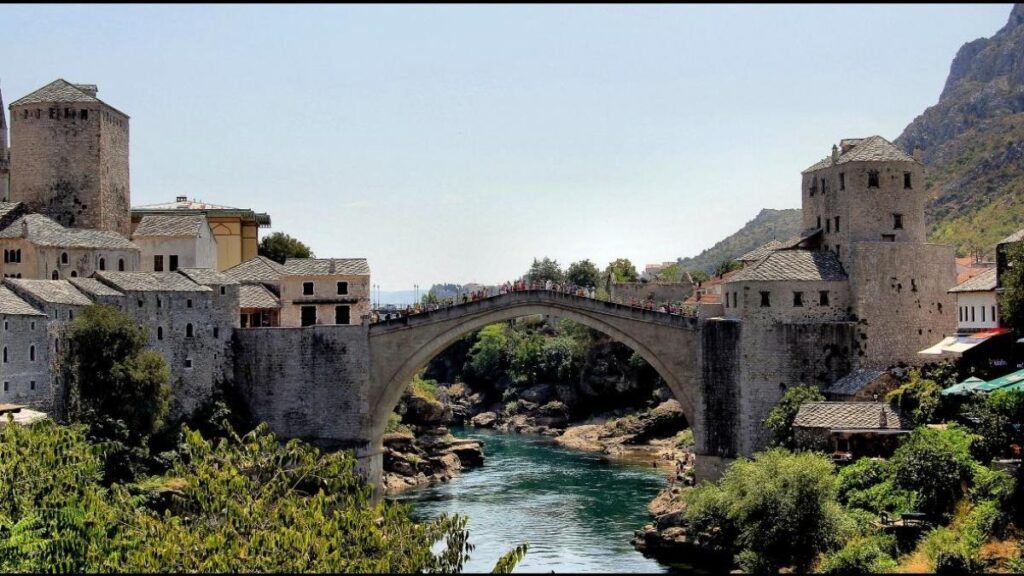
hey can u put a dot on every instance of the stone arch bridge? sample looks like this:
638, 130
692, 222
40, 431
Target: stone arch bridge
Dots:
336, 385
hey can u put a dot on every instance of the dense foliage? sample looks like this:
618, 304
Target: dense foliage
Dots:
1011, 301
237, 504
544, 270
280, 247
583, 273
935, 463
775, 510
918, 399
780, 419
621, 270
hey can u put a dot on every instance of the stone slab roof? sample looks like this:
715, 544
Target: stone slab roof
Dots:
183, 204
983, 282
870, 149
805, 265
60, 90
326, 266
10, 303
44, 231
208, 277
1015, 237
854, 381
150, 282
94, 287
256, 296
49, 291
850, 416
7, 208
258, 269
172, 225
760, 252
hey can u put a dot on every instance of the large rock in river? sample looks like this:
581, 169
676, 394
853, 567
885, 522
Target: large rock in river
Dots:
484, 420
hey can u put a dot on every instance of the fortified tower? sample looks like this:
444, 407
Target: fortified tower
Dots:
865, 203
5, 155
69, 157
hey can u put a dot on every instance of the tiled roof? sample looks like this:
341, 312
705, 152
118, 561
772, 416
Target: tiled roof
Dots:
984, 282
9, 207
760, 252
968, 267
150, 282
182, 203
189, 225
59, 90
1015, 237
256, 296
208, 277
10, 303
854, 381
94, 287
258, 269
850, 415
50, 291
870, 149
325, 266
807, 265
43, 231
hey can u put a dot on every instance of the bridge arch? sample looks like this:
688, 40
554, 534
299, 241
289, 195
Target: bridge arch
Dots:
400, 348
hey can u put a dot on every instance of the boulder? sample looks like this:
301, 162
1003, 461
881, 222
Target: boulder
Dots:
554, 414
422, 410
484, 420
538, 394
399, 441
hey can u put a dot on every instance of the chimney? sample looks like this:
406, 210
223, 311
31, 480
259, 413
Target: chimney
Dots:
917, 153
883, 420
835, 154
24, 228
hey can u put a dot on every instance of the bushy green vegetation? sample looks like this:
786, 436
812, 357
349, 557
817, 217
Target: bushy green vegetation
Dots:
583, 273
918, 399
935, 464
235, 504
1011, 301
780, 419
545, 269
280, 247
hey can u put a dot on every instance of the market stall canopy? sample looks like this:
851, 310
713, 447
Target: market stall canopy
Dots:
961, 343
963, 388
1003, 382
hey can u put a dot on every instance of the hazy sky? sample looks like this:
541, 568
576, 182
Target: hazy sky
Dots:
455, 143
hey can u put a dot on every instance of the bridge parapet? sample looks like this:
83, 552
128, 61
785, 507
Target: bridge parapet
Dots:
539, 297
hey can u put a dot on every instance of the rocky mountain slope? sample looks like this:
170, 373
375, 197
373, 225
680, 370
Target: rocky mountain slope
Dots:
972, 141
766, 226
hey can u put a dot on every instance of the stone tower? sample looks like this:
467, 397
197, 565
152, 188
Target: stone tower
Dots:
865, 202
69, 157
5, 155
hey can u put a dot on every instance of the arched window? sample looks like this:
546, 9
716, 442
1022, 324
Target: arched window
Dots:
63, 257
103, 263
55, 276
74, 273
32, 353
188, 330
120, 264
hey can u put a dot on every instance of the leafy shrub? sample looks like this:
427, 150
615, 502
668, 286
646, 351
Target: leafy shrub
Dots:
989, 484
946, 552
780, 420
985, 520
918, 399
862, 555
935, 463
868, 485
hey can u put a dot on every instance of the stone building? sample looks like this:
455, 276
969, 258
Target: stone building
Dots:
236, 230
38, 247
258, 298
789, 286
325, 291
169, 242
24, 362
69, 157
5, 155
183, 326
862, 385
849, 429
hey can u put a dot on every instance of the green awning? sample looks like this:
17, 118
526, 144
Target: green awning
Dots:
963, 388
1002, 382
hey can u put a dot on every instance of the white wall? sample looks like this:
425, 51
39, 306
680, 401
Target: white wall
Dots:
982, 304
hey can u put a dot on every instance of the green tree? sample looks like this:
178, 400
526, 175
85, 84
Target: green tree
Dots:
488, 359
726, 266
583, 273
699, 276
114, 375
621, 270
778, 509
546, 269
999, 417
280, 247
918, 399
780, 419
863, 555
1011, 301
936, 464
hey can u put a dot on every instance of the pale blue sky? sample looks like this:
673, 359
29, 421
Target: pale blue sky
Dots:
455, 143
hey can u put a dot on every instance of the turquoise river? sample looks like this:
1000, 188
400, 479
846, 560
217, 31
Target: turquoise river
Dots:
576, 510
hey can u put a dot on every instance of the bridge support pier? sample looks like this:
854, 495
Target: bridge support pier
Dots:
709, 467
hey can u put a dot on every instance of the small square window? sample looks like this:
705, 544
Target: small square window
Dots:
342, 287
32, 385
223, 290
897, 221
837, 223
873, 179
158, 263
188, 362
823, 297
7, 386
307, 288
766, 300
188, 303
216, 332
173, 263
888, 237
842, 181
798, 299
906, 181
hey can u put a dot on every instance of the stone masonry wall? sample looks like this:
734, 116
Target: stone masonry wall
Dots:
657, 291
18, 335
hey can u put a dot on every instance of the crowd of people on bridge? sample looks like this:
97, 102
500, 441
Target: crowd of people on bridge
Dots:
431, 303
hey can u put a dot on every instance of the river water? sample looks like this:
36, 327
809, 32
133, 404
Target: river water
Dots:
576, 510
